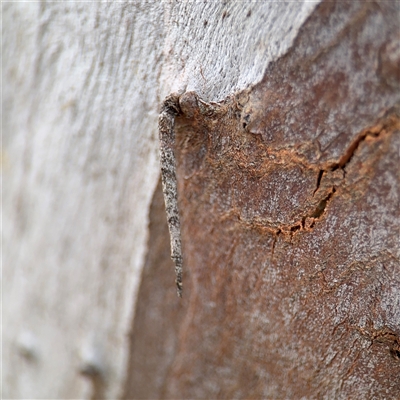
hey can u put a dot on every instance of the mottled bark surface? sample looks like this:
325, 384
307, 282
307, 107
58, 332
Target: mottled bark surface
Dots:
289, 200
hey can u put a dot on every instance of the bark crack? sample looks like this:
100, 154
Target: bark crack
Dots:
319, 178
384, 335
386, 124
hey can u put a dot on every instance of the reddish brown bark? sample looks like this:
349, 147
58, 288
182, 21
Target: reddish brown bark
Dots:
289, 199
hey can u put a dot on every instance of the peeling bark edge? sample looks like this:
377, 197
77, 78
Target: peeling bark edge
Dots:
166, 124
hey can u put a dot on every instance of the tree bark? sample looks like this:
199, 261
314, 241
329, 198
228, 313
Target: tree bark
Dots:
289, 199
288, 196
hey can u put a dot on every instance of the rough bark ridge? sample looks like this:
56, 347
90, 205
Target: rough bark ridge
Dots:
289, 200
166, 125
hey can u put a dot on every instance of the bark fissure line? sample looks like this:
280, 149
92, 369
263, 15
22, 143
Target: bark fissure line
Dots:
387, 125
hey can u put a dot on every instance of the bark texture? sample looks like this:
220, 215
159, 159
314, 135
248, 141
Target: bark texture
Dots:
82, 85
289, 200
